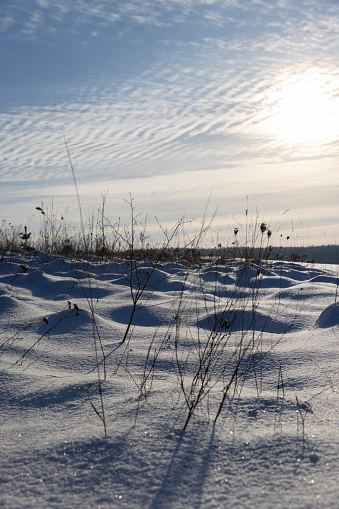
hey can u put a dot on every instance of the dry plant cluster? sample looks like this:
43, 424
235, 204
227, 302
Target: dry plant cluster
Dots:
224, 350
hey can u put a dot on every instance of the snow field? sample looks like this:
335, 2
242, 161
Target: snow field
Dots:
275, 441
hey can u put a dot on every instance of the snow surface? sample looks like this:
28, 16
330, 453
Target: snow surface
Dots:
275, 442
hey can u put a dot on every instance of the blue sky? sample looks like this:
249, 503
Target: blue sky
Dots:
173, 101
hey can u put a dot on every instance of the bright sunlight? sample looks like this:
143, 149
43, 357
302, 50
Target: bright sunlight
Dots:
305, 110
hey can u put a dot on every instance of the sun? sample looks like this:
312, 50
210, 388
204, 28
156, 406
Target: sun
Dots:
305, 111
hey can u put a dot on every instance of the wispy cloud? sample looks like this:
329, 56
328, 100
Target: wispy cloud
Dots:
35, 19
6, 22
170, 118
177, 112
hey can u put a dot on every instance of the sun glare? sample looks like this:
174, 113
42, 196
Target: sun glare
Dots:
305, 111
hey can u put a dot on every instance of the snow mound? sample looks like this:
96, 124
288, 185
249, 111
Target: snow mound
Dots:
250, 349
244, 320
329, 317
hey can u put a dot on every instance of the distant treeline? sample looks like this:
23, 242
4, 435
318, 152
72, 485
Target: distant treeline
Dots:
316, 254
309, 254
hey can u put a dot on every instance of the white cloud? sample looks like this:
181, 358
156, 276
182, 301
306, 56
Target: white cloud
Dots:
169, 119
100, 13
6, 22
43, 3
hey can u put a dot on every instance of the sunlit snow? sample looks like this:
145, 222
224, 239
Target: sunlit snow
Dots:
274, 442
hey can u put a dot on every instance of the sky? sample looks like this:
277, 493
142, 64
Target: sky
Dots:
194, 107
